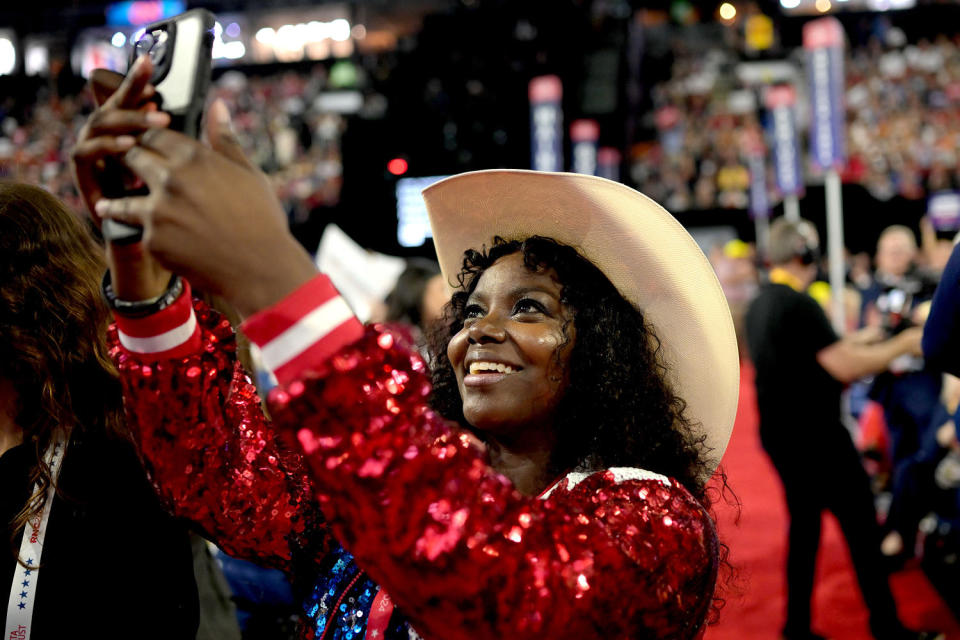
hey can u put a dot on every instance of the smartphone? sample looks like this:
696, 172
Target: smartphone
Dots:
180, 49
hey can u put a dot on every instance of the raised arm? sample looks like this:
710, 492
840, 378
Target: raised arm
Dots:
847, 360
407, 493
206, 445
624, 554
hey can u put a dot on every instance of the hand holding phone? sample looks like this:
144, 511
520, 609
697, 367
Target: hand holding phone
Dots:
180, 50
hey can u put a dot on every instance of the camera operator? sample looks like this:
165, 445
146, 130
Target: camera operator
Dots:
801, 367
908, 391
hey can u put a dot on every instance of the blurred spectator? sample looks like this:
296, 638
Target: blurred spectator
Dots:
281, 128
801, 365
734, 263
898, 283
110, 556
275, 117
941, 344
418, 297
907, 392
903, 112
921, 483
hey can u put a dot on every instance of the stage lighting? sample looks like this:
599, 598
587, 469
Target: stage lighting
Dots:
728, 11
340, 30
8, 56
266, 35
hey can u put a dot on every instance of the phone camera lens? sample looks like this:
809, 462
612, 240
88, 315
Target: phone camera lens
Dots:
159, 48
153, 44
144, 44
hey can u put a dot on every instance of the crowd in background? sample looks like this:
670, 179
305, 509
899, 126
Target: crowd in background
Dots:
698, 162
902, 100
902, 106
902, 419
275, 116
903, 111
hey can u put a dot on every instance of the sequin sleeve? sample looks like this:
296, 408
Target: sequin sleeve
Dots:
206, 445
461, 552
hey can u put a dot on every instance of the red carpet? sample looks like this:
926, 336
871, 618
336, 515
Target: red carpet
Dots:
755, 598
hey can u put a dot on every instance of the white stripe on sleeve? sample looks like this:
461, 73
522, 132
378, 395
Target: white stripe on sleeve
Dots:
163, 342
305, 333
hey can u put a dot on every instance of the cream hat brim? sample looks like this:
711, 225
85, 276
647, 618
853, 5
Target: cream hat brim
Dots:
647, 255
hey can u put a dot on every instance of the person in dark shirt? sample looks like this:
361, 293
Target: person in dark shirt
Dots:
89, 549
801, 367
908, 391
898, 283
941, 333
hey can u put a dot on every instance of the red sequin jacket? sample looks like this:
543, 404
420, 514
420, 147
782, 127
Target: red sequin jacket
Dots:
355, 455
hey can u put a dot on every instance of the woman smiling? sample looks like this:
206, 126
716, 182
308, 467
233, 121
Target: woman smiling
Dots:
548, 484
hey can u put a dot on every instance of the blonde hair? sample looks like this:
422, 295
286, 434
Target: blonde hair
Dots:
788, 239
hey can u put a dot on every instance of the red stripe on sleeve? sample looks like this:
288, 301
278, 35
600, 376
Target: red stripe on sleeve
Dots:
320, 351
265, 325
164, 320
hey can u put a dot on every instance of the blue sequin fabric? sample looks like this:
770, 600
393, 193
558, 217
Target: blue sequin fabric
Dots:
341, 598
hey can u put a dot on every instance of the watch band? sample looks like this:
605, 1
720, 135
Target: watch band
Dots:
140, 308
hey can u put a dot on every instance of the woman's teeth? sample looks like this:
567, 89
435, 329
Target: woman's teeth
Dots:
477, 367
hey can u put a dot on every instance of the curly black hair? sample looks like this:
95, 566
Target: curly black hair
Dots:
618, 385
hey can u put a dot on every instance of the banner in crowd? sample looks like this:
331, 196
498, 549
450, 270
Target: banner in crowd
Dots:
584, 137
823, 41
608, 163
546, 123
781, 102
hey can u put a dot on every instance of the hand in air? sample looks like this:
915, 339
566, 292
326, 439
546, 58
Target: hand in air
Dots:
124, 111
211, 216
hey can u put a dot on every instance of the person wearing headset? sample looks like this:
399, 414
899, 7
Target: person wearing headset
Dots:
801, 367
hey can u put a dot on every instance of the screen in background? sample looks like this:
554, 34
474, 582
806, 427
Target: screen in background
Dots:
413, 227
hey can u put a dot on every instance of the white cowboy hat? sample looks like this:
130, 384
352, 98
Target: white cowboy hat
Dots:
642, 249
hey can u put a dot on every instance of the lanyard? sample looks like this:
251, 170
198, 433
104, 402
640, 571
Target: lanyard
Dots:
380, 612
23, 590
